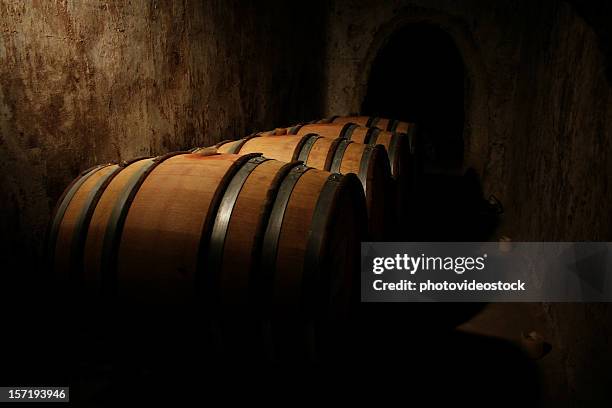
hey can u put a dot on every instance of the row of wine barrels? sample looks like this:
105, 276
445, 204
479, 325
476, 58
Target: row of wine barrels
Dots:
398, 145
369, 163
400, 148
391, 125
232, 231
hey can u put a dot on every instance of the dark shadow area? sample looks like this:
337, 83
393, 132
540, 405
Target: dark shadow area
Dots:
452, 208
597, 14
441, 208
418, 76
109, 354
141, 355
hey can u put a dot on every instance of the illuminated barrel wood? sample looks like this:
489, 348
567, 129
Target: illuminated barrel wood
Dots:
273, 132
391, 125
369, 163
397, 145
231, 232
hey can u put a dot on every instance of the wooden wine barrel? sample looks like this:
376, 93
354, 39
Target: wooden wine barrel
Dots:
273, 132
391, 125
369, 163
228, 231
398, 145
399, 149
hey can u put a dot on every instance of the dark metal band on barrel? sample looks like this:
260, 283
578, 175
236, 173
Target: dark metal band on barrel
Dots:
221, 224
294, 129
204, 280
347, 130
256, 284
314, 287
221, 143
60, 210
364, 165
412, 138
126, 163
305, 146
372, 138
269, 250
81, 226
331, 153
371, 135
238, 146
393, 152
300, 144
116, 222
339, 155
372, 120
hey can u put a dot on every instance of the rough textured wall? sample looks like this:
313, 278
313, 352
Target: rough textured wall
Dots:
537, 107
538, 120
84, 82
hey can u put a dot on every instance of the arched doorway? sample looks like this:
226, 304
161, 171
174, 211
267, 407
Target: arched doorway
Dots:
424, 68
418, 76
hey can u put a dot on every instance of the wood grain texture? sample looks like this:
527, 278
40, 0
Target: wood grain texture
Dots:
326, 130
351, 161
293, 239
333, 130
359, 134
97, 228
160, 241
158, 254
240, 239
377, 184
65, 235
319, 153
281, 148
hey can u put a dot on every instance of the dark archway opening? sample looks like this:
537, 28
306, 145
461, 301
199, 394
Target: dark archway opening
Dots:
419, 76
